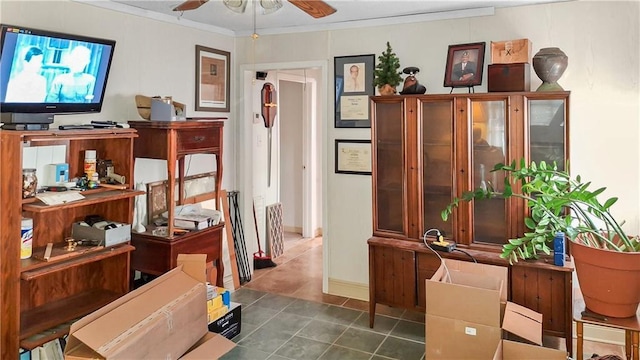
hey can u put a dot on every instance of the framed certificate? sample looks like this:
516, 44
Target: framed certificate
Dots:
353, 157
354, 84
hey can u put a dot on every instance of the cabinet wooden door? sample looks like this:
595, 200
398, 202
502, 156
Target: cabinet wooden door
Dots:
426, 266
390, 213
484, 127
547, 128
436, 162
392, 276
545, 290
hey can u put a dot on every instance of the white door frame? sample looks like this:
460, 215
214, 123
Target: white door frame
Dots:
245, 157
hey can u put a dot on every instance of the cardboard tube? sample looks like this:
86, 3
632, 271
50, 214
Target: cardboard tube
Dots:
118, 178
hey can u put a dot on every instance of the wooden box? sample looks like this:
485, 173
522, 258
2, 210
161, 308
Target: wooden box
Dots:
511, 51
509, 77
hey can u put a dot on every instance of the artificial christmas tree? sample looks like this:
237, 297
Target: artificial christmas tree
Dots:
386, 74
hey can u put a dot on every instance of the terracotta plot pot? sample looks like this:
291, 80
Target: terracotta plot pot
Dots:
387, 89
609, 280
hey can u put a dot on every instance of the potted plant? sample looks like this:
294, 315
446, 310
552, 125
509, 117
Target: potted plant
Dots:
607, 260
386, 74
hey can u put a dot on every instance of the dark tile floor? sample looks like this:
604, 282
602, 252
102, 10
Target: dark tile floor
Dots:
285, 315
282, 327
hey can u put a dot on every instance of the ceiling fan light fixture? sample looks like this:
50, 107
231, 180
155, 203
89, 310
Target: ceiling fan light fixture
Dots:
270, 6
236, 5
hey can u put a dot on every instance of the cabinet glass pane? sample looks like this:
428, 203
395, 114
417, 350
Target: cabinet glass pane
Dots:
488, 149
390, 167
437, 166
546, 131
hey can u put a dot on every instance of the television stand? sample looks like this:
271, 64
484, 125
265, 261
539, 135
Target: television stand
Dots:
23, 127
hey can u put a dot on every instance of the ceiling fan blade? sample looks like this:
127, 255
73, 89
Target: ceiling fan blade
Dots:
190, 5
315, 8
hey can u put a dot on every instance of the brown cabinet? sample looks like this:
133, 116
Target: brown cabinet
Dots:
428, 149
41, 299
172, 141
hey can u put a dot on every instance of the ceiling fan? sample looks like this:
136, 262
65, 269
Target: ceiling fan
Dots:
315, 8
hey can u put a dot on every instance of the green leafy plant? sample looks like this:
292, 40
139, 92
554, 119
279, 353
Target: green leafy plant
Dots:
557, 203
386, 71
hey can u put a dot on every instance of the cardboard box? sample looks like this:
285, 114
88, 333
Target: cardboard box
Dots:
511, 350
109, 237
456, 328
509, 77
210, 346
230, 324
511, 51
160, 320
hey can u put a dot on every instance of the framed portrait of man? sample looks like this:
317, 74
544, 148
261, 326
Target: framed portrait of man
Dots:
465, 63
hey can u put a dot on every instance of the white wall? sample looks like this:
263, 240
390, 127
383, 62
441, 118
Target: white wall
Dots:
602, 42
151, 58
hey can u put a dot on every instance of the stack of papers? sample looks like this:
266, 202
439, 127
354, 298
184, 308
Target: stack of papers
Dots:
58, 198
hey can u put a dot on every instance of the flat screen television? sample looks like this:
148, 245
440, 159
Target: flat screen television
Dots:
46, 72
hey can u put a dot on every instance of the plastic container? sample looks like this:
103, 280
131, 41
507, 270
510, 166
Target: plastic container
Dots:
90, 163
26, 232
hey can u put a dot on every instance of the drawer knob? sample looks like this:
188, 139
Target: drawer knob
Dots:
198, 138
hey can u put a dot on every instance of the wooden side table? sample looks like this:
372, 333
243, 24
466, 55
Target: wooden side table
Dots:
172, 141
630, 325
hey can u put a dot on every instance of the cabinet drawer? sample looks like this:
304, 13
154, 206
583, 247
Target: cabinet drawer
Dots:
198, 139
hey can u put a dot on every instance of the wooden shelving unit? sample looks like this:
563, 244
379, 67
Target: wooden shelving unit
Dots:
41, 299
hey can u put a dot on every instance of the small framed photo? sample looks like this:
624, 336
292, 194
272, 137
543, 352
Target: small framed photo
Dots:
353, 157
464, 65
213, 78
354, 84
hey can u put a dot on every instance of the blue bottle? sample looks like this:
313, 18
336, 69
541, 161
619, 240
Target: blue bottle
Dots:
558, 249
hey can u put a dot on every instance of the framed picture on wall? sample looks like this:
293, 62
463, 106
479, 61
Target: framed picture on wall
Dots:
353, 157
213, 78
464, 65
354, 84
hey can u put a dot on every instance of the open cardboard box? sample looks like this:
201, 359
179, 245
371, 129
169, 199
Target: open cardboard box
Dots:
164, 319
467, 312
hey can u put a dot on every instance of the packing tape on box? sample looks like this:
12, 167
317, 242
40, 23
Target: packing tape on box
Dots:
169, 317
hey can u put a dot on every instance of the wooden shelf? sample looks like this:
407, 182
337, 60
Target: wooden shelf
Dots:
149, 233
41, 299
94, 197
52, 314
34, 268
41, 338
88, 134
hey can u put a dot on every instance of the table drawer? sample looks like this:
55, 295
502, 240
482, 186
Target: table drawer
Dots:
198, 139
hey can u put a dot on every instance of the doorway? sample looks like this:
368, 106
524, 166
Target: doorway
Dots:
296, 150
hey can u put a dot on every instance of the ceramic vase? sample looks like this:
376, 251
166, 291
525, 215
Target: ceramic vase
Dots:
549, 64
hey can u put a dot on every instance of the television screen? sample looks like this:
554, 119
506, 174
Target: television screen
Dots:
47, 72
